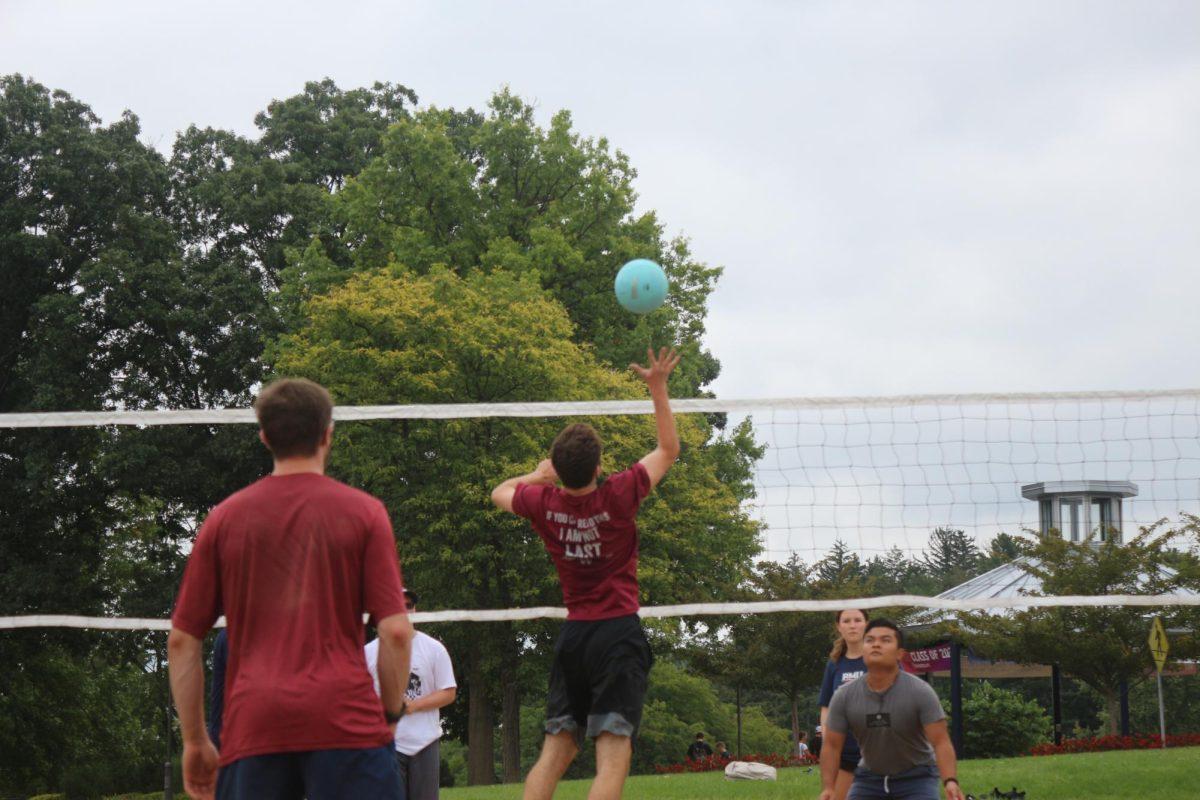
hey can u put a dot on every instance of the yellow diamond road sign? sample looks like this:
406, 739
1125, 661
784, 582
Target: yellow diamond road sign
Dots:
1158, 644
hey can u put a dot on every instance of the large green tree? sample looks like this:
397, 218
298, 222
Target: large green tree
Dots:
496, 190
101, 309
398, 336
247, 201
120, 291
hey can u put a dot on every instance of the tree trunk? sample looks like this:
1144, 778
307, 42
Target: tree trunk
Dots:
1112, 704
795, 728
510, 714
481, 726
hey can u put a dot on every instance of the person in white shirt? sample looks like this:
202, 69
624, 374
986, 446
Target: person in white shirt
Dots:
431, 686
802, 750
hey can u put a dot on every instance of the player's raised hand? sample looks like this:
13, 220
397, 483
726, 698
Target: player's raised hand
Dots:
657, 368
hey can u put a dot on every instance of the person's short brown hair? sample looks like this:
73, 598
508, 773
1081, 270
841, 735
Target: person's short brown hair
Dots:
294, 414
575, 455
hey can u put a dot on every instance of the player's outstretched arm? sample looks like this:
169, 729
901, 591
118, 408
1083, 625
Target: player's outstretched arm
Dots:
503, 494
655, 374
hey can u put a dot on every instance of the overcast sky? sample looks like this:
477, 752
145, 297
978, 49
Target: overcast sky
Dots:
908, 197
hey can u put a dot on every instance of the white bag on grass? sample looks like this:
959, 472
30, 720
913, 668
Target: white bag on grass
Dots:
749, 771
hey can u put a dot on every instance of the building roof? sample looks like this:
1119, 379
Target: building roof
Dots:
1036, 491
1006, 580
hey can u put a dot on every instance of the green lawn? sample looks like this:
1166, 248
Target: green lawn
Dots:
1131, 775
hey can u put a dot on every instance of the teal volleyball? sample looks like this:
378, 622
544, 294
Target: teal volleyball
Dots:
641, 286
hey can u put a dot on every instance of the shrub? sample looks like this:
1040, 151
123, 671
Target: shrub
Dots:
1000, 723
679, 703
454, 761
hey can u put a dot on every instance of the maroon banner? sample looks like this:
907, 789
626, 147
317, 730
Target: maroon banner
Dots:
928, 659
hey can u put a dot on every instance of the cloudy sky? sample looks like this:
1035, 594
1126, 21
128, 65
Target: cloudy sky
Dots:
908, 197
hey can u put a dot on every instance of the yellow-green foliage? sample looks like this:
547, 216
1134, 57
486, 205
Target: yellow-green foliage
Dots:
392, 336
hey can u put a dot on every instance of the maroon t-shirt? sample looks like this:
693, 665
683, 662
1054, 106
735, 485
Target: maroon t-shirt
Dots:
593, 541
293, 562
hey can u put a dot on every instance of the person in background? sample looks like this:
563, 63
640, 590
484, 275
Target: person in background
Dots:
844, 666
699, 749
802, 751
723, 752
431, 686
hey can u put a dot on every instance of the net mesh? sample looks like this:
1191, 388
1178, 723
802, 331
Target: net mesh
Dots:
876, 474
882, 477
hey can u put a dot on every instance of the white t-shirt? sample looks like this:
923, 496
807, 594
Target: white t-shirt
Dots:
430, 671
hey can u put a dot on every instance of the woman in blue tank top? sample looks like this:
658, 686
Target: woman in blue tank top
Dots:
845, 665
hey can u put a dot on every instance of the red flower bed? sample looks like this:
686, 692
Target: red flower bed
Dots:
1142, 741
713, 763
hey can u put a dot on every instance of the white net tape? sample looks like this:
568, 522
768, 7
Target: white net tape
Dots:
232, 416
658, 612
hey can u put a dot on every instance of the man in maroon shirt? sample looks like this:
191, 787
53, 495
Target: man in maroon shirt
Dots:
293, 561
601, 659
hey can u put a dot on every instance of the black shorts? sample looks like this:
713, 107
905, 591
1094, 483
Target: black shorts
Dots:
598, 679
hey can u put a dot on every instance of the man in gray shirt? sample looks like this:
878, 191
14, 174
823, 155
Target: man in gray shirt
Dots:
899, 724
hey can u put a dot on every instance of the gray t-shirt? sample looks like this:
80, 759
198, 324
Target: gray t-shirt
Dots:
889, 727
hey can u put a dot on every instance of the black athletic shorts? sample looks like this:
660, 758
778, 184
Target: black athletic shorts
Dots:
598, 679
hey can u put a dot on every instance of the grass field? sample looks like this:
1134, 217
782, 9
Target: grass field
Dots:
1123, 775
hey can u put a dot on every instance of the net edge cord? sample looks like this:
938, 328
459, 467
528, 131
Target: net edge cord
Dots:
235, 416
656, 612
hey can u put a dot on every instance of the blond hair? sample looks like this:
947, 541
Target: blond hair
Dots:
839, 644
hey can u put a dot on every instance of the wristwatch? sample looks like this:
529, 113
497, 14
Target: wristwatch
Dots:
391, 718
947, 780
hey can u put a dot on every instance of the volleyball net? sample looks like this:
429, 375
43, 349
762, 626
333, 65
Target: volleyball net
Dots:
776, 480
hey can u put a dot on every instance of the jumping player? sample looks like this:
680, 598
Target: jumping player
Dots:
601, 660
293, 561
